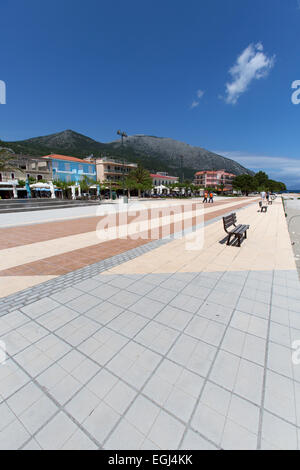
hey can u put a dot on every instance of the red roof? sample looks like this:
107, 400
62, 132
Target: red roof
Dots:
164, 177
64, 157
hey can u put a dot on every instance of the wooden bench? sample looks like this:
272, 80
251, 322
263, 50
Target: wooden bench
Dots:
263, 207
238, 231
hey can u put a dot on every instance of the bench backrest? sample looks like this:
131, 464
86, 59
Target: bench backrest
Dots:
229, 220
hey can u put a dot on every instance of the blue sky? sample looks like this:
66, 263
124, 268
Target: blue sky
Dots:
212, 73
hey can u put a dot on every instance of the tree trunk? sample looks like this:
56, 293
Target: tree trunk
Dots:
139, 193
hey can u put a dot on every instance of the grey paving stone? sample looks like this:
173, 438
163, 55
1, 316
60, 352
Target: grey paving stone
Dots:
277, 433
193, 354
166, 432
187, 303
106, 416
128, 323
88, 285
236, 437
218, 313
206, 330
124, 299
157, 337
37, 415
199, 292
104, 291
249, 381
40, 307
64, 296
161, 294
79, 441
147, 307
194, 441
142, 414
84, 303
225, 370
209, 423
104, 312
174, 317
6, 416
280, 397
50, 439
13, 436
82, 405
125, 437
121, 282
140, 287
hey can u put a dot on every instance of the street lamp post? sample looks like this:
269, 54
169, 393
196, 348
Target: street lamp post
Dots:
123, 134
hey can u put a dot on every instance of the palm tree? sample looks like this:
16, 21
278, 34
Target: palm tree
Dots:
139, 179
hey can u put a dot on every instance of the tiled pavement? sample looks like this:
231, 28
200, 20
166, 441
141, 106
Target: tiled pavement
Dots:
33, 254
173, 360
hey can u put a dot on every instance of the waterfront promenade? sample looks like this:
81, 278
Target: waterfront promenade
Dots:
143, 344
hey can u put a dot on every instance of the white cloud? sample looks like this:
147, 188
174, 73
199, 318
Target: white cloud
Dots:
279, 168
252, 64
196, 102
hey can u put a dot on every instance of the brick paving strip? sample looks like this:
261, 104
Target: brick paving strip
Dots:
27, 234
164, 349
68, 260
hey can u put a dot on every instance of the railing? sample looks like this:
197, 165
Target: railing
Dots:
122, 162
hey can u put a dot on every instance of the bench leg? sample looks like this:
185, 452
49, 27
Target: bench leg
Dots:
246, 234
228, 239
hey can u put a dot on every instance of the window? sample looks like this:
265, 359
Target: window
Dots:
0, 176
12, 176
39, 177
67, 166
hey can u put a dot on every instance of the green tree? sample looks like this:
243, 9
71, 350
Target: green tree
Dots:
139, 179
245, 183
64, 186
221, 187
86, 183
7, 161
261, 178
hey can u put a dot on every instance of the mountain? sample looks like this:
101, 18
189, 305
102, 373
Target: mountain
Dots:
155, 153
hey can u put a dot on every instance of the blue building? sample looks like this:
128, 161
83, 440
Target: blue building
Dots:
71, 169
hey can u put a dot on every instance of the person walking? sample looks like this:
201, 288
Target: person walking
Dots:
211, 198
205, 197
